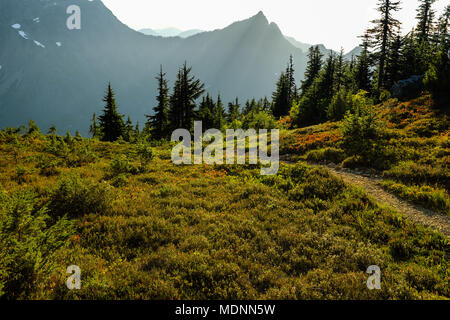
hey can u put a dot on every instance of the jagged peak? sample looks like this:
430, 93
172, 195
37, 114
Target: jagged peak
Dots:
260, 17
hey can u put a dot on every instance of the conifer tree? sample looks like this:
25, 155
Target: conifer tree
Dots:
207, 112
220, 114
410, 57
280, 98
290, 74
93, 129
362, 71
186, 91
437, 77
128, 132
285, 91
52, 130
393, 63
382, 33
158, 122
313, 68
340, 70
425, 16
326, 80
111, 122
137, 132
233, 111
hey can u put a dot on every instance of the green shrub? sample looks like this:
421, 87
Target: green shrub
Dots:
27, 239
410, 172
326, 155
120, 180
362, 135
401, 249
80, 154
121, 165
145, 153
429, 197
259, 120
340, 104
48, 168
75, 197
353, 162
22, 174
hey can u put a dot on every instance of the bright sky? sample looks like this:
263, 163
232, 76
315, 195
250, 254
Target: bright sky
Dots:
334, 23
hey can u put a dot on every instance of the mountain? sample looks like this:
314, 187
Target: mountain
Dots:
190, 33
305, 47
58, 76
170, 32
355, 53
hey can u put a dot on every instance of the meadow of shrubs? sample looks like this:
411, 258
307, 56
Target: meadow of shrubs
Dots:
407, 142
140, 227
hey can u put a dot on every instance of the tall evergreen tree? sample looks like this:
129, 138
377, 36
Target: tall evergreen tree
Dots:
437, 77
220, 114
382, 33
410, 57
280, 98
312, 68
233, 111
158, 122
186, 91
393, 63
52, 130
285, 91
111, 122
326, 80
128, 131
340, 71
93, 129
425, 16
362, 71
292, 87
207, 112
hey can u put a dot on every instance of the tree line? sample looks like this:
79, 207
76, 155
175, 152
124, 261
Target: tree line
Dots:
330, 87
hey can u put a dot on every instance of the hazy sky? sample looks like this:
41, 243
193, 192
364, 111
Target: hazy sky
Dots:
334, 23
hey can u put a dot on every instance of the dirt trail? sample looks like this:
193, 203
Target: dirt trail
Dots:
414, 212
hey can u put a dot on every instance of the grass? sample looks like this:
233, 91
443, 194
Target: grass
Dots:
162, 231
426, 196
412, 149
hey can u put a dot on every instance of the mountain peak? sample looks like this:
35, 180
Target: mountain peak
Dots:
260, 17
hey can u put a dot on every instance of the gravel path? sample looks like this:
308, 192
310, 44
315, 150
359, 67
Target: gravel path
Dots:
371, 185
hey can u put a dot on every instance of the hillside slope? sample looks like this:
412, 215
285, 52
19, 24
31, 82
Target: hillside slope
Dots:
140, 227
411, 150
60, 78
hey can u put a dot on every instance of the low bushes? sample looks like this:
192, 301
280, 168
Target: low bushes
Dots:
326, 155
429, 197
27, 239
75, 197
413, 173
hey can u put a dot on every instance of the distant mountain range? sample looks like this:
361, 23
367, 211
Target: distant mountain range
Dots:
170, 32
175, 32
305, 48
58, 76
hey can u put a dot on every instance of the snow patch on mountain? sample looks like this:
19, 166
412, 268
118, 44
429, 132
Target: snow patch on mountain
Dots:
38, 44
23, 34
